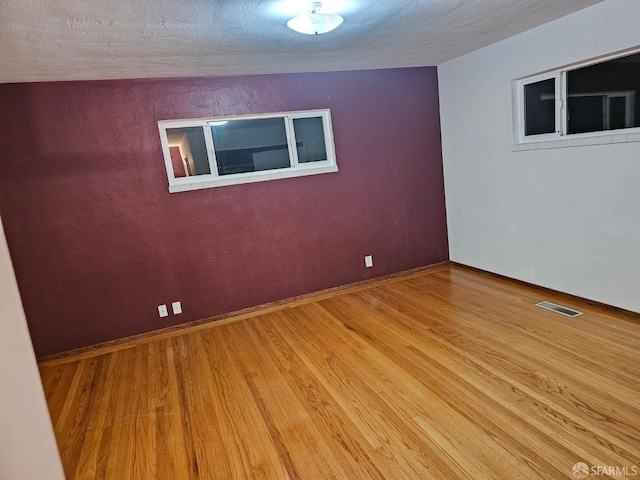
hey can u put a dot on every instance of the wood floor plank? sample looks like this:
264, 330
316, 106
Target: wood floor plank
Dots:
444, 374
347, 444
412, 400
559, 385
340, 375
587, 331
71, 427
203, 438
250, 450
579, 353
444, 383
96, 426
128, 460
499, 406
175, 455
57, 383
119, 416
517, 394
300, 446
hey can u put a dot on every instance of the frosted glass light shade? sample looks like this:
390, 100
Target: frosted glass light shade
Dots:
315, 23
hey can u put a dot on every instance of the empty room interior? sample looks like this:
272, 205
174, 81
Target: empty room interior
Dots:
345, 239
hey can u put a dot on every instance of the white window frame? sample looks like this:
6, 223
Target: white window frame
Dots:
561, 137
521, 107
213, 179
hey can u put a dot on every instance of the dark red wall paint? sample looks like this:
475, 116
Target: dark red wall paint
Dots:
98, 242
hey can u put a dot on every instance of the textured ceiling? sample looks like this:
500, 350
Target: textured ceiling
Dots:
43, 40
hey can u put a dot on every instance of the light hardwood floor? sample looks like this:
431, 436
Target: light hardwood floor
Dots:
446, 374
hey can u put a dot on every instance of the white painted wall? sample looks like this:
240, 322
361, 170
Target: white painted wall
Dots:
567, 219
28, 448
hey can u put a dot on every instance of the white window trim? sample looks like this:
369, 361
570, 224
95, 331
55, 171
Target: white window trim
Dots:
561, 138
520, 112
297, 169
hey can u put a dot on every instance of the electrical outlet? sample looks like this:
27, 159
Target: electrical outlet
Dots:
177, 308
162, 311
368, 261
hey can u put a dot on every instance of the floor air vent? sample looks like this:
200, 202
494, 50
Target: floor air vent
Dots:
559, 308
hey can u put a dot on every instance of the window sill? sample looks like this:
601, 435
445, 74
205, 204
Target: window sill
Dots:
197, 184
577, 142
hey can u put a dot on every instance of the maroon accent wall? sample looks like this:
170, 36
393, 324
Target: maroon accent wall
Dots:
98, 242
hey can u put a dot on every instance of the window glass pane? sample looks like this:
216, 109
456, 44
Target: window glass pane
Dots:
603, 96
540, 107
188, 151
618, 113
586, 113
310, 139
250, 145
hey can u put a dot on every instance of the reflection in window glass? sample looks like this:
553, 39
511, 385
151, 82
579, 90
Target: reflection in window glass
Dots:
250, 145
539, 107
603, 96
188, 151
618, 113
310, 139
585, 114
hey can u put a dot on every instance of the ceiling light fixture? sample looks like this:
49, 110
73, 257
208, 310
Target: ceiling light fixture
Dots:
314, 22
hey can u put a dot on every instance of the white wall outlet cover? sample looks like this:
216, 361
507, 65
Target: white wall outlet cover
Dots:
368, 261
162, 311
177, 308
